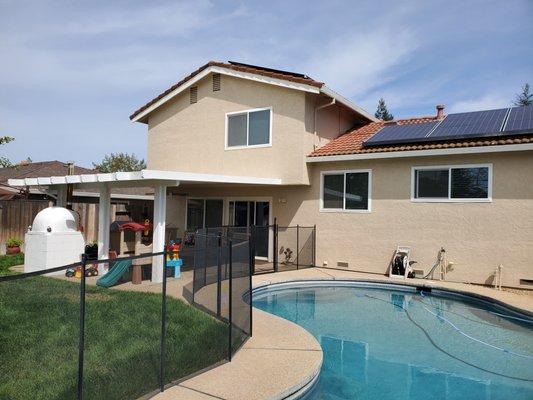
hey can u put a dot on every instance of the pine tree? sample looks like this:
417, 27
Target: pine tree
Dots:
382, 112
525, 98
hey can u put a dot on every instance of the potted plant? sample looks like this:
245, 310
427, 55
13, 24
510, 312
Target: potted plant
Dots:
13, 245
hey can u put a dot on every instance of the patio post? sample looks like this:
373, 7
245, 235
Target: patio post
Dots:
158, 242
104, 206
61, 199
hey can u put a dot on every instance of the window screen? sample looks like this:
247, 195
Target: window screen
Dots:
237, 127
432, 183
357, 191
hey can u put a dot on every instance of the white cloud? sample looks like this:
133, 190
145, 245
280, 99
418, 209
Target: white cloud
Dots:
359, 62
485, 102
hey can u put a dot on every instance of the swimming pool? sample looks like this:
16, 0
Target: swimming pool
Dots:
397, 343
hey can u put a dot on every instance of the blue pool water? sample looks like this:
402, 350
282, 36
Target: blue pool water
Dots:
394, 344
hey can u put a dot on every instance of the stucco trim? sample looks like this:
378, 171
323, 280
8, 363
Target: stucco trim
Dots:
322, 209
423, 153
450, 199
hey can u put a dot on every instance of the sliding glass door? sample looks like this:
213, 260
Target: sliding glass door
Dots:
257, 213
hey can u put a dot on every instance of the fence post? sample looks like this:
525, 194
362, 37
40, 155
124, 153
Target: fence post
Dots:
251, 269
314, 246
297, 246
81, 348
230, 299
219, 275
275, 245
163, 323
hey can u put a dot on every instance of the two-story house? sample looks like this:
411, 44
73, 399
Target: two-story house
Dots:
463, 181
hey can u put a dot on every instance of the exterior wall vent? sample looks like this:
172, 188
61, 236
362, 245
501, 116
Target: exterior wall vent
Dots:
193, 94
528, 282
216, 82
342, 264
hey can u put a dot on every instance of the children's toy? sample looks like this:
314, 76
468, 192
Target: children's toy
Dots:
173, 258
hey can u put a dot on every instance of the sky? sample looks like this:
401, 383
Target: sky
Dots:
71, 72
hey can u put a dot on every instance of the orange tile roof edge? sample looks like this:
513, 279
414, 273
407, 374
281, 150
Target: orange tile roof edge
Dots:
352, 141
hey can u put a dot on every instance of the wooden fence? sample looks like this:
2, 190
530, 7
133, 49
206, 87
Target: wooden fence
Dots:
17, 215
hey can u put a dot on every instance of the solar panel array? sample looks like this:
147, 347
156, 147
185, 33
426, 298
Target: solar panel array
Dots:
469, 125
520, 118
393, 133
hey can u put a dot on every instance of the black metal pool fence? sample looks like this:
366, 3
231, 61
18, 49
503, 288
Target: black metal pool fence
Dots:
276, 248
106, 344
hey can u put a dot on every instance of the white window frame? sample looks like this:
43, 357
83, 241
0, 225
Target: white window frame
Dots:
449, 199
343, 209
247, 146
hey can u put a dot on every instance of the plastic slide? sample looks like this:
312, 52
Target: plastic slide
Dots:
117, 270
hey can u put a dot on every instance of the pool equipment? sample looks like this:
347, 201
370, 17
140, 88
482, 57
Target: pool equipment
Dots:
400, 265
53, 240
441, 262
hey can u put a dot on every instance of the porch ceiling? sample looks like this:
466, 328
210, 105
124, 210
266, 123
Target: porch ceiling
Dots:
146, 177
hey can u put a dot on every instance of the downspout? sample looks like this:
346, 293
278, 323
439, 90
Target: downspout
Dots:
332, 102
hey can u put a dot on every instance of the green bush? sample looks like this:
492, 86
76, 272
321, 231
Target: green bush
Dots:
13, 242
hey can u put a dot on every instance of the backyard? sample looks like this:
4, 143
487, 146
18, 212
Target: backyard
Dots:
39, 325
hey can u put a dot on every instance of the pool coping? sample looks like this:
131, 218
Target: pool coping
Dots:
203, 387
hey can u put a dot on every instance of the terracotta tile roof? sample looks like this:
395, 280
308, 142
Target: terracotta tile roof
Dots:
283, 75
352, 141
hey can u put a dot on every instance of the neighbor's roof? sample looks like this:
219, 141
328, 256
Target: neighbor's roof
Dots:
352, 141
241, 70
35, 169
57, 168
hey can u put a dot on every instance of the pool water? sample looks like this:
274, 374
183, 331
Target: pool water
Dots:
394, 344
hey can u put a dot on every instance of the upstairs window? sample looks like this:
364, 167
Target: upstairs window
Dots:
346, 191
251, 128
452, 183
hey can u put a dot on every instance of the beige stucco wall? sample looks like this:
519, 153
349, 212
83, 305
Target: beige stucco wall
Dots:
190, 137
477, 236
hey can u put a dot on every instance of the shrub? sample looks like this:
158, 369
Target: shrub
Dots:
13, 242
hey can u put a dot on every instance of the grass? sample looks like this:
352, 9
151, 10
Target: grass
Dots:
39, 322
8, 261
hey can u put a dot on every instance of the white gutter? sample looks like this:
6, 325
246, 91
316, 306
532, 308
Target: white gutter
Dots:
423, 153
334, 95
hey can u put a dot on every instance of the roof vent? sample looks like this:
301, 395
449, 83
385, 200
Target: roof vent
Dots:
193, 94
440, 111
216, 82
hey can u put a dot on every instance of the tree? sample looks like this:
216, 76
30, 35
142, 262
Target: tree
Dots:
120, 162
382, 112
525, 98
4, 162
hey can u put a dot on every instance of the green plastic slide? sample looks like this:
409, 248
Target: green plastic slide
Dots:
117, 270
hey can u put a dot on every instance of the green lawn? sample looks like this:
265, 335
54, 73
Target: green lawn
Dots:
8, 261
39, 341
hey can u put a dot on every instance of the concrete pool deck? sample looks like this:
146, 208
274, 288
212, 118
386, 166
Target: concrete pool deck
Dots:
281, 358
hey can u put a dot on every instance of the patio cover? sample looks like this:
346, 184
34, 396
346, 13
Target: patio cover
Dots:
159, 180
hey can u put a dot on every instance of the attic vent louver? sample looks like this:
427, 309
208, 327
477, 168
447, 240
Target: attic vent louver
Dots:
193, 94
216, 82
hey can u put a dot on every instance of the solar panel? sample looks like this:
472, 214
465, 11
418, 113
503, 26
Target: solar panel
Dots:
392, 134
470, 124
520, 119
